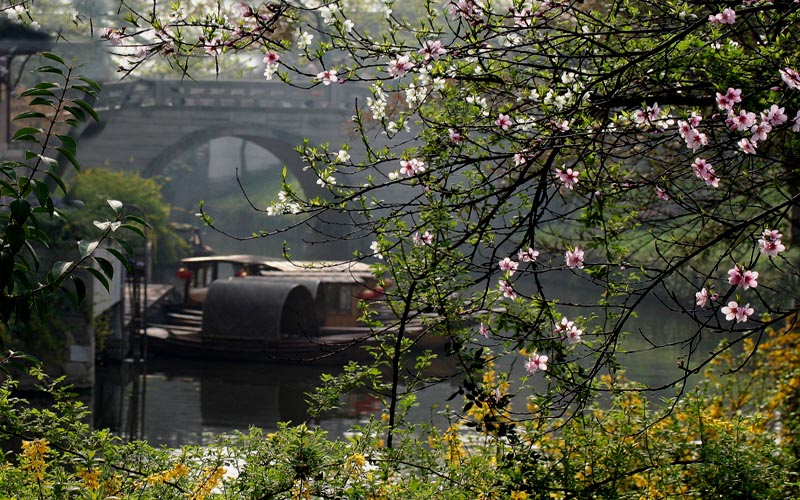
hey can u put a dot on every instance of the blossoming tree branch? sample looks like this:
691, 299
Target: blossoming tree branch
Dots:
645, 148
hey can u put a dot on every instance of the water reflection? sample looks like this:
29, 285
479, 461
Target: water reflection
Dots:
179, 401
188, 401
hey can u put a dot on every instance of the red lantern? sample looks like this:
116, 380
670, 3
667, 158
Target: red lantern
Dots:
184, 274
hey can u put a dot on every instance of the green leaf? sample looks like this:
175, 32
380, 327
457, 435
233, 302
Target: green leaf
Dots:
60, 268
29, 114
87, 247
137, 219
50, 69
41, 190
57, 179
120, 257
125, 246
26, 134
90, 82
68, 142
134, 228
99, 276
53, 57
41, 101
20, 210
80, 289
71, 296
76, 112
37, 92
70, 156
106, 266
88, 108
15, 236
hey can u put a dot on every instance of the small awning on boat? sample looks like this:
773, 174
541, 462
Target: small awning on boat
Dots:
247, 309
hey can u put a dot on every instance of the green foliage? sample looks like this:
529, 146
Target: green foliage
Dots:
141, 198
27, 187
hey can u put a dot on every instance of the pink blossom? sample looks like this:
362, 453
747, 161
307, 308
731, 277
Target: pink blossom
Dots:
529, 255
503, 121
701, 297
746, 279
114, 36
563, 326
774, 115
684, 128
574, 258
747, 146
328, 77
509, 266
694, 119
520, 158
455, 136
741, 122
484, 330
271, 58
573, 335
791, 78
425, 238
734, 311
734, 275
760, 131
727, 16
400, 66
796, 122
703, 170
508, 291
411, 167
662, 194
568, 177
770, 243
536, 363
695, 140
432, 49
729, 98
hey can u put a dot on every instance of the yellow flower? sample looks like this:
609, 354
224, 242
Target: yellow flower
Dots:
358, 460
90, 478
519, 495
32, 458
211, 478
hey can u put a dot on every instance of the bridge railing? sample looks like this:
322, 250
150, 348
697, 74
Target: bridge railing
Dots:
228, 94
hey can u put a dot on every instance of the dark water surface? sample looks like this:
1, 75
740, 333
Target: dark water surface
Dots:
176, 401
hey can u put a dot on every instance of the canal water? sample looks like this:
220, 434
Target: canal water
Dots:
172, 401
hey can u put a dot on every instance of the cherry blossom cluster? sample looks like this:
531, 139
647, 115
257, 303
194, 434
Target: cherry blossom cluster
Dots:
650, 116
536, 363
567, 330
412, 167
574, 258
746, 121
425, 238
688, 131
328, 76
568, 177
510, 266
770, 243
705, 171
727, 16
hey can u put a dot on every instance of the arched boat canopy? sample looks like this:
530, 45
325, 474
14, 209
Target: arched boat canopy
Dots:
257, 309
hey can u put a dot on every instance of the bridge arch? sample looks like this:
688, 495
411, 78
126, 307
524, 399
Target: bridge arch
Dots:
279, 143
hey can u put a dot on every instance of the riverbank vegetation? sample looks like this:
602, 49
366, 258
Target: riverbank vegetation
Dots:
503, 151
733, 436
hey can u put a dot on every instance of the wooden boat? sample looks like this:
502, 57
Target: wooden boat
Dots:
245, 307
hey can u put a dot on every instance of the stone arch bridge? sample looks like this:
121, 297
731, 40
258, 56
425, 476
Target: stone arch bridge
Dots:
146, 124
